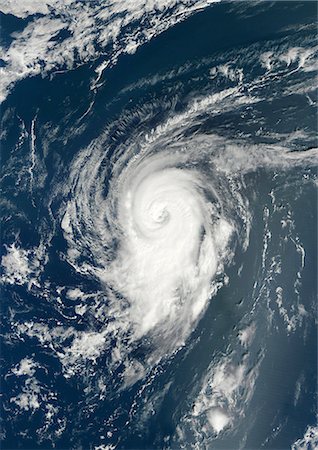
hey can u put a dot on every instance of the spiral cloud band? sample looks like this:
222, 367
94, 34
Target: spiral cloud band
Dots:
170, 226
155, 213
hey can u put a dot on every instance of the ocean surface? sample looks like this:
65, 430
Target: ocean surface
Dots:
159, 225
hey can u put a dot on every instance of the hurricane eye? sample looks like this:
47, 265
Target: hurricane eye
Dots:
159, 212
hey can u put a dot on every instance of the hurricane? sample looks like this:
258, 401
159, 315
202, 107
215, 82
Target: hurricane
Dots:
159, 225
171, 226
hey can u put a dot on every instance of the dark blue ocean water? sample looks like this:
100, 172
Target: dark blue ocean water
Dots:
65, 396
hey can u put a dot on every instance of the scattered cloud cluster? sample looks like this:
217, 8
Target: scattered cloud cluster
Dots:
63, 34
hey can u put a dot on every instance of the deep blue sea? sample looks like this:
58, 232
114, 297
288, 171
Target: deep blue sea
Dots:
159, 225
